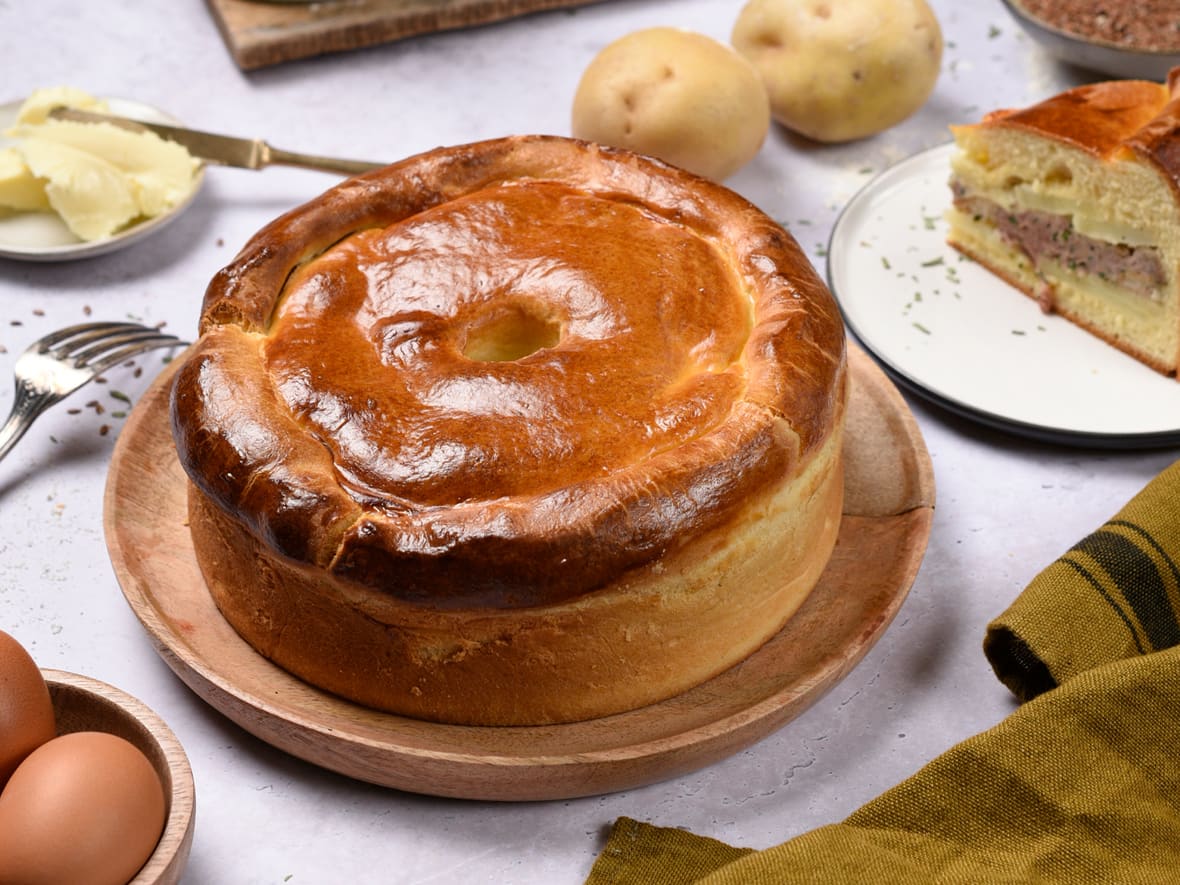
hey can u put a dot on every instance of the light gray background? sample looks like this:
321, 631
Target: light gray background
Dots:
1005, 507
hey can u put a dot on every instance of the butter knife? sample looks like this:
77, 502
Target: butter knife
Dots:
223, 150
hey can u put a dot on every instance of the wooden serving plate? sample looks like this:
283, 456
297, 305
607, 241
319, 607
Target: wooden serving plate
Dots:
889, 505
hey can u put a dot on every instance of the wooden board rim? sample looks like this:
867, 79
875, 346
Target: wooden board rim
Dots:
268, 33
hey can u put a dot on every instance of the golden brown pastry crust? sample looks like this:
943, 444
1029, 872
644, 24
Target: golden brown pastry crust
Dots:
620, 491
654, 633
416, 528
1107, 118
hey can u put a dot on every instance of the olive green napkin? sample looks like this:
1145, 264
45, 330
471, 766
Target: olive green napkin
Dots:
1080, 784
1113, 595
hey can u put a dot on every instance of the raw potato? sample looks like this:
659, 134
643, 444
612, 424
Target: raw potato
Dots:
676, 95
838, 71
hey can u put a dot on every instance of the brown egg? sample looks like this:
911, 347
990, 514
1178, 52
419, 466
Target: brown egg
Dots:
85, 808
26, 711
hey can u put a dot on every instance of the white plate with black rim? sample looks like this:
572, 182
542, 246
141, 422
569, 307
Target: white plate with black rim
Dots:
43, 236
949, 330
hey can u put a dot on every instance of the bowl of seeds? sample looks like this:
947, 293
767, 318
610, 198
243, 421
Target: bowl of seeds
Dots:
1128, 39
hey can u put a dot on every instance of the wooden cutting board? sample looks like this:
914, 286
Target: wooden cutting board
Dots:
260, 33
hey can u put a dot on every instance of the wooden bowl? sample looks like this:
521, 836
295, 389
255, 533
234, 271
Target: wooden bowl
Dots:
85, 704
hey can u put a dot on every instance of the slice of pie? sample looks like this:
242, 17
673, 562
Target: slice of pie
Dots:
1076, 202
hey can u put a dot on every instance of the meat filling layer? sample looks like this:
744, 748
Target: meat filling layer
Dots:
1046, 236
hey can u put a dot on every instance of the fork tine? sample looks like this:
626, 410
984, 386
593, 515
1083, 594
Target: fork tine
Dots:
98, 347
134, 349
72, 337
59, 363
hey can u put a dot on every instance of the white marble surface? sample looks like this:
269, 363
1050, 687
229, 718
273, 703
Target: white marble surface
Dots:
1006, 507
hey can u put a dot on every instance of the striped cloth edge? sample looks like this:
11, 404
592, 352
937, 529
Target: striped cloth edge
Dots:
1114, 594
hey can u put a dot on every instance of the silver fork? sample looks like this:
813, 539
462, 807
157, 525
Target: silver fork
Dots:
55, 366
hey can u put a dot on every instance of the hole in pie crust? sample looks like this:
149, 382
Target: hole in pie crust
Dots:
510, 334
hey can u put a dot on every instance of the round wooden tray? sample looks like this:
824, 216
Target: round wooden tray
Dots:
889, 503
